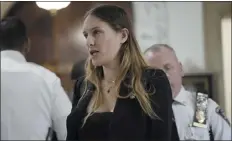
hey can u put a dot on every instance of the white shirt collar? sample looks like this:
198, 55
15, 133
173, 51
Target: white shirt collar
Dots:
182, 97
14, 55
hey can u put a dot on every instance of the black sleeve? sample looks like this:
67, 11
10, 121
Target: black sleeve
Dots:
77, 92
161, 100
71, 122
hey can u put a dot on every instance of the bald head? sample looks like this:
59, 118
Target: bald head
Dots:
162, 56
160, 48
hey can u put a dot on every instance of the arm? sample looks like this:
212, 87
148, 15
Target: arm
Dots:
220, 125
72, 120
162, 99
61, 108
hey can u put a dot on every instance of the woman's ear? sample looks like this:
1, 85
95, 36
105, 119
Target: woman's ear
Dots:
124, 35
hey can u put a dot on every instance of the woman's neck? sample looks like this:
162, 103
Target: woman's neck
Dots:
111, 71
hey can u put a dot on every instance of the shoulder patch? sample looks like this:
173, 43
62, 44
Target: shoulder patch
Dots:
222, 114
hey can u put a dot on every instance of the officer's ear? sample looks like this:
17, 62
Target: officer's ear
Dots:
26, 47
181, 69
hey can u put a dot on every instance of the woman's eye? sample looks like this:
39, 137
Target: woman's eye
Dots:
85, 35
96, 32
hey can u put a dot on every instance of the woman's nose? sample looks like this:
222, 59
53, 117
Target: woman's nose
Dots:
90, 41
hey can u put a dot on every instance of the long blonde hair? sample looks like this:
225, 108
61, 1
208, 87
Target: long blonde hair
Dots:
130, 56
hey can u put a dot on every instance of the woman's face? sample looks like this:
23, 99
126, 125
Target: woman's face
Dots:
102, 41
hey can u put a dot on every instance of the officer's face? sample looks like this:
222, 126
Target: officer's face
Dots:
166, 60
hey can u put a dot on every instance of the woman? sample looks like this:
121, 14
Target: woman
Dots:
122, 99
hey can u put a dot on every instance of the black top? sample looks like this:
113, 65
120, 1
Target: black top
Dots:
129, 123
96, 127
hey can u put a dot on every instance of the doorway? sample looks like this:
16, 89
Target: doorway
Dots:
226, 57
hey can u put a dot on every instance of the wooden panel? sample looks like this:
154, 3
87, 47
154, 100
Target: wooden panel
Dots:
200, 82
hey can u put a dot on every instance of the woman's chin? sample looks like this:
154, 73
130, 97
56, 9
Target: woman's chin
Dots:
96, 63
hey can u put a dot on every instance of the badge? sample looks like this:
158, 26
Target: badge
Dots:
222, 114
201, 111
200, 116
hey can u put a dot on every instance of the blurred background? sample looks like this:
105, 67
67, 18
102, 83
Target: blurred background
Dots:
200, 32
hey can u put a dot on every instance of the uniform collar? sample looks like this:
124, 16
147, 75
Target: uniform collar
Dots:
182, 97
14, 55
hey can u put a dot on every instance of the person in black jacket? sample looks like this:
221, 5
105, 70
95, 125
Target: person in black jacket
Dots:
120, 98
77, 72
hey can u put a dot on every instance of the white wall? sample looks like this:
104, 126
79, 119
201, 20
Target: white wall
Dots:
179, 24
186, 34
151, 23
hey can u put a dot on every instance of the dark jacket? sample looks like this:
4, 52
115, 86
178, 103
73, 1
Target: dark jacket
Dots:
128, 122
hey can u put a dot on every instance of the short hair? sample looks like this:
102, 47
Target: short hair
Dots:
158, 47
13, 34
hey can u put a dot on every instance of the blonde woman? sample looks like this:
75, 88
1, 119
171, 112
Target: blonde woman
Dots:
122, 99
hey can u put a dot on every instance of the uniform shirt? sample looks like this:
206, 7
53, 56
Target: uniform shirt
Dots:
32, 100
184, 111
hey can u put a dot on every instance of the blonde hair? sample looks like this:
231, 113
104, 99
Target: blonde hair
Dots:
131, 61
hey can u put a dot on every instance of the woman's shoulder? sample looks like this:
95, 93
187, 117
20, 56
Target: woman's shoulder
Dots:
156, 80
151, 73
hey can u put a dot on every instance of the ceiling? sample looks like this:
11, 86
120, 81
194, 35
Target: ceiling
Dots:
5, 6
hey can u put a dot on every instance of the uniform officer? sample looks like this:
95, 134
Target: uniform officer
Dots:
197, 116
33, 102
